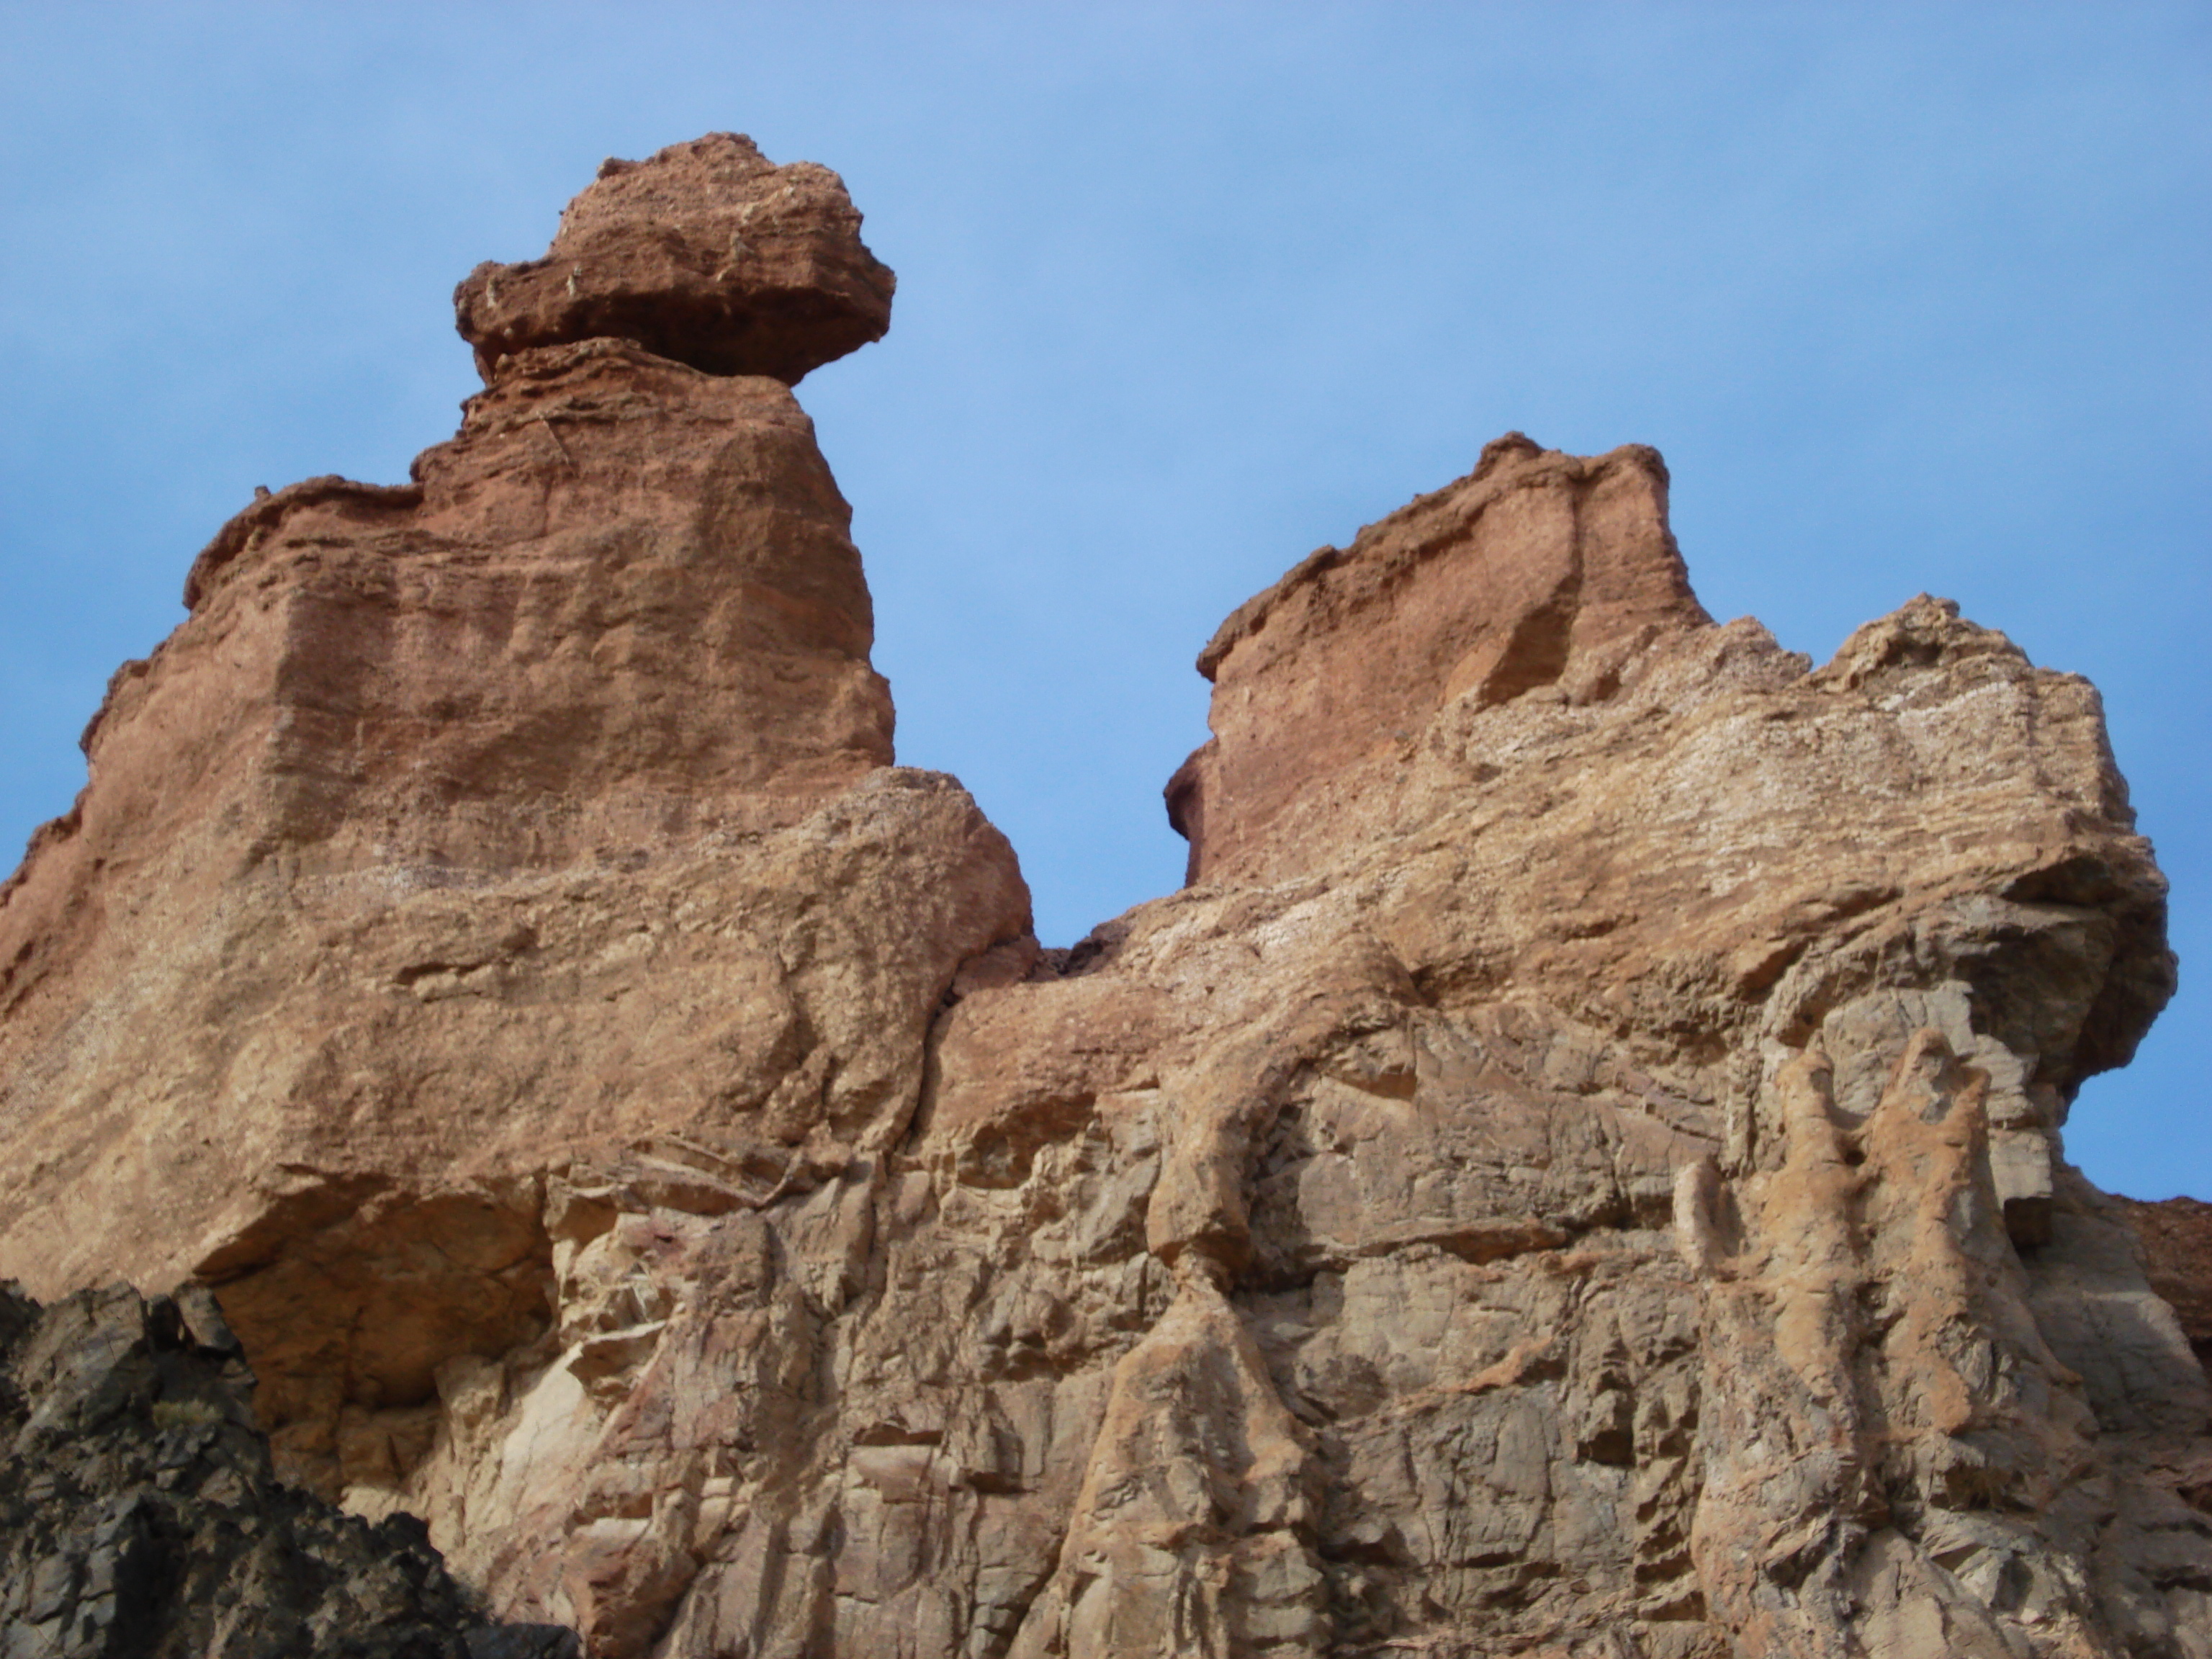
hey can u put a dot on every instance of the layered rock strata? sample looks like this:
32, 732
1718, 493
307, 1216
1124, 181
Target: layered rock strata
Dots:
1578, 1171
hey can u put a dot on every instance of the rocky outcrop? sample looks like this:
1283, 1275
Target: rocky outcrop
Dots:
394, 853
707, 253
139, 1517
1578, 1171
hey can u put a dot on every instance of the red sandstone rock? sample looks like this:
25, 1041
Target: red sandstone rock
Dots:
1538, 570
342, 941
707, 254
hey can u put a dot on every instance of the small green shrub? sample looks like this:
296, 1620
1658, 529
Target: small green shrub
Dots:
185, 1414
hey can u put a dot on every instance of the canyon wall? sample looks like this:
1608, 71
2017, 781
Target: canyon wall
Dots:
1578, 1171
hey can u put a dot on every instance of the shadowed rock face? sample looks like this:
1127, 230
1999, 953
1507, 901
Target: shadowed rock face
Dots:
1578, 1170
139, 1516
2176, 1240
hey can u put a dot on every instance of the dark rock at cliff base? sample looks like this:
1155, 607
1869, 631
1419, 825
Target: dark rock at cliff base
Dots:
139, 1517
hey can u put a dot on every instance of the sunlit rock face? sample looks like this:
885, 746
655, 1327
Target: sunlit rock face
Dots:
709, 253
1576, 1172
540, 803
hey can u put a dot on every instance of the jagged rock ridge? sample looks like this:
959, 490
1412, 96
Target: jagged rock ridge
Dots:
1578, 1171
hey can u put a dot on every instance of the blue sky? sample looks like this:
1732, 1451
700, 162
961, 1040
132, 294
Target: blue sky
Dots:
1912, 297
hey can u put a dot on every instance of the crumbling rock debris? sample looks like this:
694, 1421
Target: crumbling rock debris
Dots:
140, 1517
1578, 1170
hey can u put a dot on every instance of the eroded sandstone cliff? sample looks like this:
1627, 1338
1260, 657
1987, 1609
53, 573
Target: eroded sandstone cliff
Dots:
1578, 1171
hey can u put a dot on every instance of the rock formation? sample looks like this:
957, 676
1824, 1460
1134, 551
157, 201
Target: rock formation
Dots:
2176, 1240
1576, 1172
139, 1517
708, 254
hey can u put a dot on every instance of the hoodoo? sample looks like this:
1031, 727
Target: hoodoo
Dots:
1578, 1170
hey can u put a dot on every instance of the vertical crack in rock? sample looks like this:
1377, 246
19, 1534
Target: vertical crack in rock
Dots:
1578, 1170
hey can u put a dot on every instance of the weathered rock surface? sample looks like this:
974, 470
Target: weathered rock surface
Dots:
140, 1519
1578, 1171
2176, 1240
707, 253
395, 853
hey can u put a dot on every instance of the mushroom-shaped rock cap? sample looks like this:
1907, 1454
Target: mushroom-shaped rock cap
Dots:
709, 253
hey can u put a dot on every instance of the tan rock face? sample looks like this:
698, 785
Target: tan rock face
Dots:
1578, 1171
344, 941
